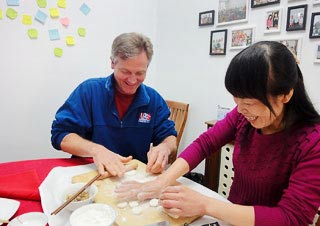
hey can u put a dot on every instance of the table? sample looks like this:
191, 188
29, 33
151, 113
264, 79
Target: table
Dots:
42, 167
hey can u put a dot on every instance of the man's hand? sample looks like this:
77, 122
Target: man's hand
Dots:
158, 157
109, 161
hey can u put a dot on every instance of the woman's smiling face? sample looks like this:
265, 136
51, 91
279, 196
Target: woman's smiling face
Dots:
260, 116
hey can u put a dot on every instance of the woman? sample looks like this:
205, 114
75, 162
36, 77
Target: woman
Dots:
276, 132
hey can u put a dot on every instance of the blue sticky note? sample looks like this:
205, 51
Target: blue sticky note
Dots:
85, 9
13, 2
41, 16
54, 34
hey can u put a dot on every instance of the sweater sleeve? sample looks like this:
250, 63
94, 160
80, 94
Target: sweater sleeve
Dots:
73, 116
211, 140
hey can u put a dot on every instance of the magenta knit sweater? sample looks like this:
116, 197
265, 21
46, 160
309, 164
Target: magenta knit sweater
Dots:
278, 174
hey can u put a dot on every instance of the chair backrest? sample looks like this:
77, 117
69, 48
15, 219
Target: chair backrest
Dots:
179, 114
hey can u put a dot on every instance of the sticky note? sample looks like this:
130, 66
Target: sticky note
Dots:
26, 19
70, 40
81, 31
1, 14
13, 2
62, 4
54, 34
42, 3
58, 52
11, 13
41, 16
85, 9
54, 13
33, 33
65, 21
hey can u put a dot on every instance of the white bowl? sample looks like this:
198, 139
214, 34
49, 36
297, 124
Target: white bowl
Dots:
96, 214
71, 189
32, 218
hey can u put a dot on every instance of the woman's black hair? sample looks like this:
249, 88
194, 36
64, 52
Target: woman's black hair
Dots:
269, 68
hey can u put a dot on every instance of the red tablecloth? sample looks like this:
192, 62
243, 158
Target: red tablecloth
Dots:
20, 180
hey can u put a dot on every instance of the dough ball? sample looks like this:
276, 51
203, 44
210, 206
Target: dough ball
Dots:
122, 205
136, 210
133, 204
154, 202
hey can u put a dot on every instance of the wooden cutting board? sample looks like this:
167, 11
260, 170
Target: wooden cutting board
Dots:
125, 216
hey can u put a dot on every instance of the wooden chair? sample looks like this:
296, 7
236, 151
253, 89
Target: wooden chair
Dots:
179, 114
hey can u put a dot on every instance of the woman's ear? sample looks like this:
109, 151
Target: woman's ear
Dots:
287, 97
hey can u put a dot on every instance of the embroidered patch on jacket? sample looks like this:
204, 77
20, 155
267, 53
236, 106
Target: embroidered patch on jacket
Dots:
145, 117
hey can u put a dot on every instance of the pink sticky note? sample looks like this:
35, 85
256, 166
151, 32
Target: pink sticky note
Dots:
65, 21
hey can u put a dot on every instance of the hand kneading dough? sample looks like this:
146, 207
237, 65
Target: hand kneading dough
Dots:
154, 202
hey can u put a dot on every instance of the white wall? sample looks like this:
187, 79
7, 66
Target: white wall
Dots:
34, 83
186, 72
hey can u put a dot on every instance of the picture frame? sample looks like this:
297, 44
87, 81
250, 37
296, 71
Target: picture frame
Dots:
218, 42
206, 18
273, 18
293, 44
317, 54
297, 17
242, 37
315, 25
231, 11
259, 3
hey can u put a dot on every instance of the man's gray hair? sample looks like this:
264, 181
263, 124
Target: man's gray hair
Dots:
131, 44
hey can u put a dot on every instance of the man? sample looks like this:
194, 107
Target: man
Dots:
115, 119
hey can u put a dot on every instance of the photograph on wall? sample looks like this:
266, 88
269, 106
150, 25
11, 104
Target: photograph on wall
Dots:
315, 25
242, 37
206, 18
232, 11
273, 20
218, 42
317, 55
293, 44
296, 18
259, 3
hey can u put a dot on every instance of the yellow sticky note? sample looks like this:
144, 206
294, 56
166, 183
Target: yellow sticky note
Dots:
11, 13
81, 31
33, 33
70, 40
54, 12
42, 3
62, 4
26, 19
0, 14
58, 52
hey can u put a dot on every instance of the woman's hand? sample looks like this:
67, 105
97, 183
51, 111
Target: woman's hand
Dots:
183, 201
140, 191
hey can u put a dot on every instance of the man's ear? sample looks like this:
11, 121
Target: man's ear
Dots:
112, 63
287, 97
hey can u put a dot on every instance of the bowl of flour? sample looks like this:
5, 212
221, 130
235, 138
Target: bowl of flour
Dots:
96, 214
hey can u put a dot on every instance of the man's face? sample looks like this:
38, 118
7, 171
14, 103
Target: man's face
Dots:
130, 73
